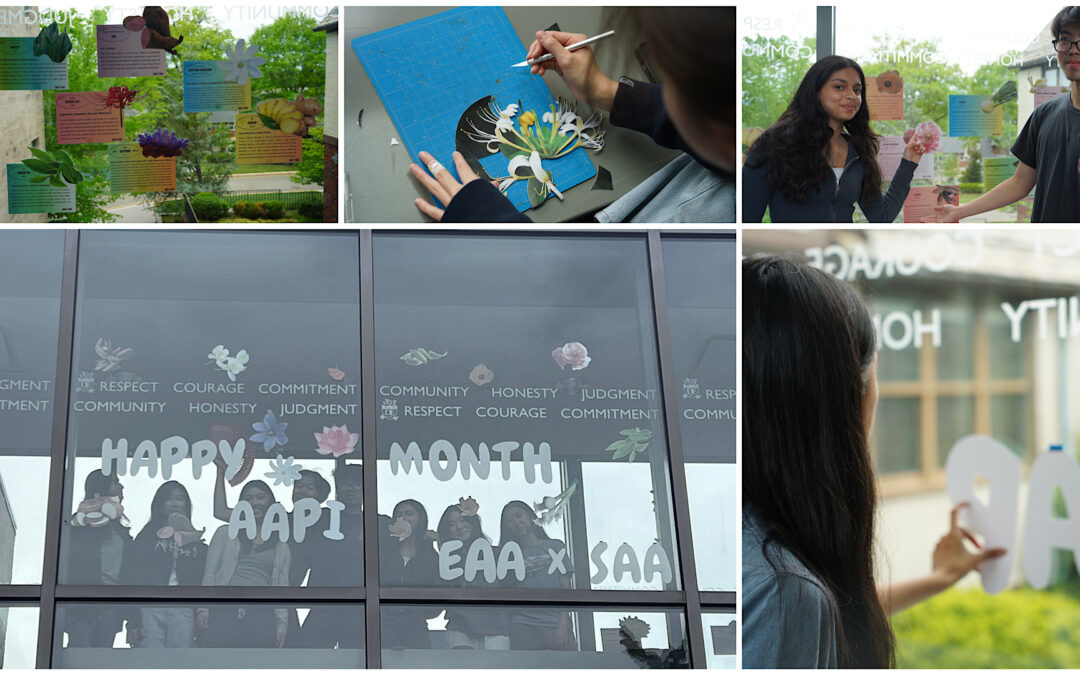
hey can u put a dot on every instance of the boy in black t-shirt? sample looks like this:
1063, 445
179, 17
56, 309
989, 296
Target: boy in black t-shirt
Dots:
1048, 146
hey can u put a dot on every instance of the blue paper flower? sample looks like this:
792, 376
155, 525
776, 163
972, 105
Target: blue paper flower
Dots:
271, 432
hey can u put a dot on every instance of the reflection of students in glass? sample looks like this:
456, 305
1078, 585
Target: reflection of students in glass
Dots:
169, 551
809, 396
537, 629
98, 541
246, 562
694, 111
338, 563
412, 562
820, 157
468, 628
1048, 147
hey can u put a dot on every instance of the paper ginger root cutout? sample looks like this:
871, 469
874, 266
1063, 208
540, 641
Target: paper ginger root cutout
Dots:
154, 26
292, 117
485, 128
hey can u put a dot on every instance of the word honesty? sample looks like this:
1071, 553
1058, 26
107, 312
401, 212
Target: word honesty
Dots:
996, 519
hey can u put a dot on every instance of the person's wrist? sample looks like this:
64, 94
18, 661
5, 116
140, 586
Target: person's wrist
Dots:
602, 91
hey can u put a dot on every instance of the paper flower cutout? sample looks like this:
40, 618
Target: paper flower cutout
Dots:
336, 374
550, 510
180, 530
530, 168
98, 512
336, 441
419, 356
241, 63
1035, 84
120, 98
634, 628
485, 125
109, 358
284, 471
271, 433
890, 82
162, 143
928, 133
232, 365
468, 506
573, 354
481, 375
400, 529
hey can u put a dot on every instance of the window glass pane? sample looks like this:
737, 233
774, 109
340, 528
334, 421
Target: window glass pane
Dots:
955, 356
18, 636
520, 371
721, 636
212, 635
1007, 358
30, 276
1009, 422
714, 514
956, 419
892, 314
896, 435
468, 636
202, 359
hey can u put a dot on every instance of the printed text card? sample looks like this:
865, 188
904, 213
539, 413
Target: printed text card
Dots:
83, 117
121, 54
256, 144
892, 151
205, 89
884, 96
969, 117
21, 70
27, 197
922, 201
129, 171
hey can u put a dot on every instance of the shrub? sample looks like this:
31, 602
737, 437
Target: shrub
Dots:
311, 210
275, 209
208, 206
971, 187
239, 208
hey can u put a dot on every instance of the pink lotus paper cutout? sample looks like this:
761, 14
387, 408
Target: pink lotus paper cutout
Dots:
573, 354
336, 441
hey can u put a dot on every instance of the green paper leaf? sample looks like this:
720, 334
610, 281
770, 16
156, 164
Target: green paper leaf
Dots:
69, 173
268, 122
614, 446
40, 166
41, 154
65, 158
78, 177
38, 179
536, 192
623, 451
56, 182
509, 150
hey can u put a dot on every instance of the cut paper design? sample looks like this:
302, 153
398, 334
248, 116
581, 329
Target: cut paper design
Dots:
292, 117
58, 169
929, 134
394, 141
469, 506
162, 143
284, 471
336, 374
336, 441
83, 117
603, 179
270, 432
154, 28
180, 531
232, 365
109, 359
231, 434
241, 64
551, 509
481, 375
400, 529
98, 512
120, 98
884, 96
52, 43
636, 442
30, 192
947, 194
573, 354
889, 82
1005, 93
419, 356
20, 70
540, 182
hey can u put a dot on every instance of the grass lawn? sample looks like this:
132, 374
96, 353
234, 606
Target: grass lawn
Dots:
264, 168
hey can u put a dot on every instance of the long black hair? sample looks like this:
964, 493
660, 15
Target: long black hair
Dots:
444, 526
793, 147
158, 516
504, 532
419, 534
808, 343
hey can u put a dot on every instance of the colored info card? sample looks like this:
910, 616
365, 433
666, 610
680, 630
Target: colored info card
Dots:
121, 54
129, 171
922, 201
25, 196
206, 90
257, 144
973, 116
20, 69
83, 117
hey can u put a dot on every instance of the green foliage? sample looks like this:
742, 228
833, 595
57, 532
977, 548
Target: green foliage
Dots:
57, 168
973, 172
1021, 628
635, 443
772, 71
274, 209
313, 211
976, 188
208, 206
51, 42
296, 57
311, 167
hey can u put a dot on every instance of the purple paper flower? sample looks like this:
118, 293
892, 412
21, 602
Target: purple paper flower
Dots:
162, 143
271, 432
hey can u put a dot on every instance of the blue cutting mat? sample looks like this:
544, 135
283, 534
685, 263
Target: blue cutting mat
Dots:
427, 72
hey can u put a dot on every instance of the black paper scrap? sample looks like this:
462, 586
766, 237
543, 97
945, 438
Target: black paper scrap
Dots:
553, 27
603, 179
360, 118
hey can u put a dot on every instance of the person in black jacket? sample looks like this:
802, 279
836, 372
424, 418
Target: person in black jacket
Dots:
694, 110
820, 157
411, 562
97, 543
169, 551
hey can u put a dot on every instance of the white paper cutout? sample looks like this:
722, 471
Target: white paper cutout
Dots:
109, 358
1043, 532
241, 63
983, 456
394, 141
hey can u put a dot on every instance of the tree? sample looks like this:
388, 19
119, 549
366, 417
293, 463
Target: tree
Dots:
772, 71
310, 170
296, 57
973, 172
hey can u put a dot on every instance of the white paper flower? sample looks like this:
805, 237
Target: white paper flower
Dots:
242, 63
233, 367
218, 355
284, 471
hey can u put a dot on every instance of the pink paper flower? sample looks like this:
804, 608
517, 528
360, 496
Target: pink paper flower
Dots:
468, 506
336, 441
573, 354
929, 134
400, 529
481, 375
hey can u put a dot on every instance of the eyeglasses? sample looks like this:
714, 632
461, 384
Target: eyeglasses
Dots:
1063, 45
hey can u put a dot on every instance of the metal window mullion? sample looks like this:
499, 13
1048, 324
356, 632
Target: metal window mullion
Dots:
171, 594
370, 454
58, 449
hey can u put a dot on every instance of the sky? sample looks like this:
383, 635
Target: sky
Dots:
966, 36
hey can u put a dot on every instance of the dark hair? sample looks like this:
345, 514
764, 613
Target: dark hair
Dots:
808, 343
793, 146
98, 483
260, 485
322, 486
349, 473
694, 47
444, 526
158, 517
422, 528
1069, 15
504, 533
